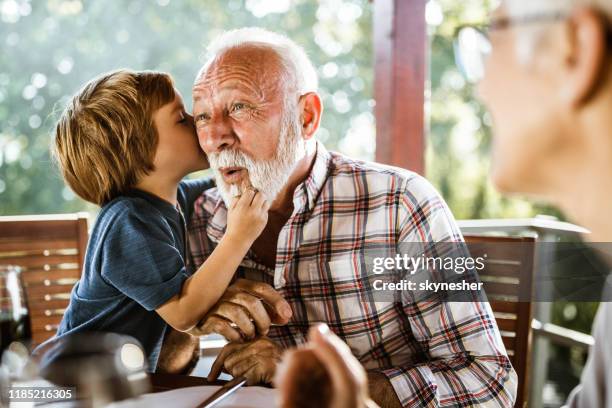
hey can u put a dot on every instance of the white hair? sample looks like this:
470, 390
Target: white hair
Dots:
523, 7
529, 37
296, 63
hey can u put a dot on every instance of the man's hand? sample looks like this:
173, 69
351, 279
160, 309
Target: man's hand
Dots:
342, 381
250, 306
179, 353
255, 360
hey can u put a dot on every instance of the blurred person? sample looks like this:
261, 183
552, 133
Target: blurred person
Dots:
125, 143
256, 111
548, 86
545, 75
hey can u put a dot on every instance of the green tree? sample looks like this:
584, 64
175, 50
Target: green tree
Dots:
50, 48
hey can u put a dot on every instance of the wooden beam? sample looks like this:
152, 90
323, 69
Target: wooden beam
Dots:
400, 39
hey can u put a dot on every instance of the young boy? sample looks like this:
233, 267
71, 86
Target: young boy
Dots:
125, 142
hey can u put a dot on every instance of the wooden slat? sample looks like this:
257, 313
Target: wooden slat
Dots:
497, 288
38, 292
64, 281
509, 342
56, 227
31, 261
501, 267
37, 276
43, 322
38, 245
47, 312
504, 307
41, 337
508, 325
40, 306
55, 296
502, 298
512, 251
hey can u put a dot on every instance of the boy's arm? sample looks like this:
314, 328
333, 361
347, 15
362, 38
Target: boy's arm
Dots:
140, 260
205, 287
247, 217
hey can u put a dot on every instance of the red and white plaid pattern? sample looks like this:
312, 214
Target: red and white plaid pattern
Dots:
434, 354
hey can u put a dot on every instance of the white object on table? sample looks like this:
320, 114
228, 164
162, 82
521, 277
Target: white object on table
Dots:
245, 397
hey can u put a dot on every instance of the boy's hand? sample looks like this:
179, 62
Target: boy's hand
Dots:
247, 215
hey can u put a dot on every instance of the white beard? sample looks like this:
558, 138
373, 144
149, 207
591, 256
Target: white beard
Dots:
267, 176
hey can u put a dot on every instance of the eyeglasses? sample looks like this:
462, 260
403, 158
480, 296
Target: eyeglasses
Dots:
472, 45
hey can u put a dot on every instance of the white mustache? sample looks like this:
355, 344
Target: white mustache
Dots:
230, 158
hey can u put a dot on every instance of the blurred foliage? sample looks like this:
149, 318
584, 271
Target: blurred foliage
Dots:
51, 47
459, 143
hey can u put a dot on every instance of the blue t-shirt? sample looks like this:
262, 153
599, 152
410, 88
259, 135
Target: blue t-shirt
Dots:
134, 264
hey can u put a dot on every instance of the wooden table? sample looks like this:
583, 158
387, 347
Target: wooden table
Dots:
167, 382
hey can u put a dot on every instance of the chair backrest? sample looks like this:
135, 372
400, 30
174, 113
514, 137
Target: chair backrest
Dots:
508, 272
50, 251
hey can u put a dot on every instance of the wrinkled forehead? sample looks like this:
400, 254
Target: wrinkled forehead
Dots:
251, 69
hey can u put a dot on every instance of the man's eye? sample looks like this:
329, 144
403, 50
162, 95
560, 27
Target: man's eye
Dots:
238, 106
201, 117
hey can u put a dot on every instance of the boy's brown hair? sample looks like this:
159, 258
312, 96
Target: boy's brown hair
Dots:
105, 140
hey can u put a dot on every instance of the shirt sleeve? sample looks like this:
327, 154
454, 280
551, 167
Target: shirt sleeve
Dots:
595, 382
466, 362
141, 259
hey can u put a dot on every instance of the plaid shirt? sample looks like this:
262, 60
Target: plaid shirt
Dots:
433, 353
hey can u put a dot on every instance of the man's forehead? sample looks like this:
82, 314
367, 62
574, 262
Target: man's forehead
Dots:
249, 68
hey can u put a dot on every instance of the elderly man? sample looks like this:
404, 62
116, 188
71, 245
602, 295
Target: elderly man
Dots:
548, 85
256, 112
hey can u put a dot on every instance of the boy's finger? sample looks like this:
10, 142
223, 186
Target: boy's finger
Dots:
257, 200
247, 197
233, 202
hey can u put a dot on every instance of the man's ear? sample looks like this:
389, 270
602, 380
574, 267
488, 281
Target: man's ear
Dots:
311, 109
586, 57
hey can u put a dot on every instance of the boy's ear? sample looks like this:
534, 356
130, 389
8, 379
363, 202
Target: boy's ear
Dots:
311, 109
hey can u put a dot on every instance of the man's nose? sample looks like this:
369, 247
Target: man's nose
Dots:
217, 136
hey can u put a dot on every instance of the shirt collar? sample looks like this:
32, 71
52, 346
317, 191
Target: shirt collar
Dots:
307, 193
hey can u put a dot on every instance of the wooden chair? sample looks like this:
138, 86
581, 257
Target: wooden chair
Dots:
508, 277
50, 251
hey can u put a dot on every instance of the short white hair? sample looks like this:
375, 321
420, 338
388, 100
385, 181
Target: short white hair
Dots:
522, 7
528, 38
294, 59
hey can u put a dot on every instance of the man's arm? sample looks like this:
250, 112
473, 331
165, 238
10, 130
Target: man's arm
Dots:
463, 358
179, 354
